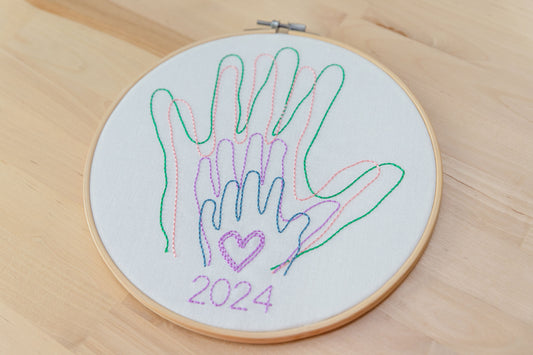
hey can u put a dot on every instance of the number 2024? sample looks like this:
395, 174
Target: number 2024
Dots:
261, 299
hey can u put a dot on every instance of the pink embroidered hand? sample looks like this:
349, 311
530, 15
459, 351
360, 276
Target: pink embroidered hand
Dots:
321, 196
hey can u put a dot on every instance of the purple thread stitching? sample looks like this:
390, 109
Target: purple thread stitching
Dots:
243, 297
192, 300
316, 230
263, 169
216, 188
268, 304
216, 193
227, 296
242, 244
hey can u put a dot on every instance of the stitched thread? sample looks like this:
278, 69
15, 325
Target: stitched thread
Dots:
212, 121
342, 208
309, 248
261, 210
171, 133
234, 304
248, 109
242, 243
227, 295
164, 169
216, 188
266, 80
275, 132
267, 304
338, 211
192, 300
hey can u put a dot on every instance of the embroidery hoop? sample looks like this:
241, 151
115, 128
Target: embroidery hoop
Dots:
293, 333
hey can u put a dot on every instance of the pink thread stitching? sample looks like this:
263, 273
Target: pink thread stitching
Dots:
252, 95
338, 213
216, 188
267, 131
171, 131
193, 119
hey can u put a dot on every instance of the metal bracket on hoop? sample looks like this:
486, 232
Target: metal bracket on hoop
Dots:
277, 25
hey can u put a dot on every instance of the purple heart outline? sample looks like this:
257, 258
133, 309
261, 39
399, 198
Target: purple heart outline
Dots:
242, 243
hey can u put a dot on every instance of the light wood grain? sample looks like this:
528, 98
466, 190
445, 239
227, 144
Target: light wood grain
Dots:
62, 65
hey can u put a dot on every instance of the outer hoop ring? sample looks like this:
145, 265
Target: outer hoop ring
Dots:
293, 333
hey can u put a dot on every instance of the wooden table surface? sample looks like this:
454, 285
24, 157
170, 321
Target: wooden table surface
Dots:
63, 64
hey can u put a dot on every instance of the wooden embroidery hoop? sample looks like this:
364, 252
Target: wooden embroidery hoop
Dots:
288, 334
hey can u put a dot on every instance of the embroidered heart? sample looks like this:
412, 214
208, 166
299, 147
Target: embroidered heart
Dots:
241, 243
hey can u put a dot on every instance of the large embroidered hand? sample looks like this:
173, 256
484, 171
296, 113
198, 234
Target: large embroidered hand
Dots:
308, 99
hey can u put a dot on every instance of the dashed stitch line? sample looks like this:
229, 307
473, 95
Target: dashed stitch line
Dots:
241, 243
261, 209
216, 187
227, 294
275, 132
309, 248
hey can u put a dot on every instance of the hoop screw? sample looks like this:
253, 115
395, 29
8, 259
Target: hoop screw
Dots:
275, 24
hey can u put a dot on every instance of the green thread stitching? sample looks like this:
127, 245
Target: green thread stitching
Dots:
358, 218
268, 77
238, 93
238, 131
165, 169
318, 131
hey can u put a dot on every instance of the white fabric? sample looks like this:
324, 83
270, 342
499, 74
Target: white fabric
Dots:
372, 118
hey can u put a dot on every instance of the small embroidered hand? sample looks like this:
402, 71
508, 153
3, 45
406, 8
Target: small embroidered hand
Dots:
241, 206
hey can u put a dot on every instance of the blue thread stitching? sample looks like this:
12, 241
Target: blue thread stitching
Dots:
238, 210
